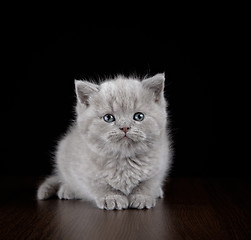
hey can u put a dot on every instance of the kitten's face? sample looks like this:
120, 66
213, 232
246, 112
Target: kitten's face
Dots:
122, 119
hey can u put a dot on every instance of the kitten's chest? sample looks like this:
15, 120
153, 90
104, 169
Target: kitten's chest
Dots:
126, 175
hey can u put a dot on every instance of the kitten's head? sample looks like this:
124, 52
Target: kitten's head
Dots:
122, 117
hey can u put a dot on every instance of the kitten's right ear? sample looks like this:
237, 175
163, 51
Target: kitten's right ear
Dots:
156, 85
84, 90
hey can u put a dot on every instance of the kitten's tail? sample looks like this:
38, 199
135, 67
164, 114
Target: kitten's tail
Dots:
48, 188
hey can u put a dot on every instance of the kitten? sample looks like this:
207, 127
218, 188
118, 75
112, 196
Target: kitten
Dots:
117, 153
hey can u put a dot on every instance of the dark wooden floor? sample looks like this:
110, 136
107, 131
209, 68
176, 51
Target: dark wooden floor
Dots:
193, 208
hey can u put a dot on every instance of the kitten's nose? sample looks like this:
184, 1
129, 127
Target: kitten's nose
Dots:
124, 129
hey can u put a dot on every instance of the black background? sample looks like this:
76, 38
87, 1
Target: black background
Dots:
199, 55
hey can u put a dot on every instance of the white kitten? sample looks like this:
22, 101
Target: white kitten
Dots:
117, 153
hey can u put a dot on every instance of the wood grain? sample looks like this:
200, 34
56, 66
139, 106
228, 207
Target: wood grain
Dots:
193, 208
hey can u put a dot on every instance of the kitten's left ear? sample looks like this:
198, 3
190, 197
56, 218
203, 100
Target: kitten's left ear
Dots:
84, 90
156, 85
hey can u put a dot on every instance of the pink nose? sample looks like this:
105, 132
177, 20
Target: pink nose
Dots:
125, 129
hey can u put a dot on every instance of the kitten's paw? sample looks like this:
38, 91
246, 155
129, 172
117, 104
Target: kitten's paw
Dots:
44, 192
48, 188
112, 202
141, 201
65, 193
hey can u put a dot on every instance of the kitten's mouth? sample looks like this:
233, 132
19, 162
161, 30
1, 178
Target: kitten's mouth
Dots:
126, 138
120, 138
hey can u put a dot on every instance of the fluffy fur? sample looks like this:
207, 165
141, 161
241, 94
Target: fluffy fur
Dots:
117, 164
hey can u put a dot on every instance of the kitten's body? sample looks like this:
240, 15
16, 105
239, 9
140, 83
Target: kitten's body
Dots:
116, 164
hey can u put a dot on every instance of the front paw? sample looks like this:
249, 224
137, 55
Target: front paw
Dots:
65, 192
111, 202
141, 201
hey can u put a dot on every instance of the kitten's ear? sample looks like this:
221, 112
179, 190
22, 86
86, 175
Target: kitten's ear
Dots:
84, 90
156, 85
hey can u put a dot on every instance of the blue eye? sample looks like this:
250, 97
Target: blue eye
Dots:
139, 116
109, 118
